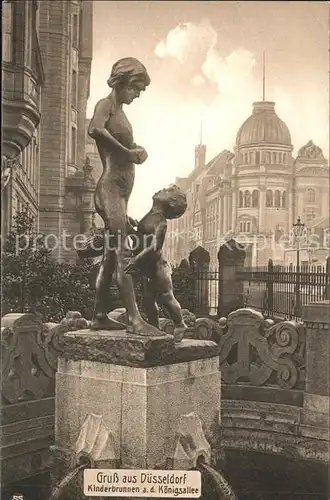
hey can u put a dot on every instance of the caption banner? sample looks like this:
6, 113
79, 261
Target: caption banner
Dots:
142, 483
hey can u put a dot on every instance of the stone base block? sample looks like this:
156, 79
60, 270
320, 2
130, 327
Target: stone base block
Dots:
133, 414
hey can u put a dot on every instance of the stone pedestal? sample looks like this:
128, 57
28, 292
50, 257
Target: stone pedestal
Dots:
137, 402
316, 317
231, 258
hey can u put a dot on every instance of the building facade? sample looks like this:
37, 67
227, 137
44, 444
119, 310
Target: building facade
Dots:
255, 194
95, 160
48, 50
22, 81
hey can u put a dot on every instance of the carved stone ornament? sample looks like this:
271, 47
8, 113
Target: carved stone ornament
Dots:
256, 351
190, 443
29, 351
74, 321
7, 166
95, 440
207, 329
311, 151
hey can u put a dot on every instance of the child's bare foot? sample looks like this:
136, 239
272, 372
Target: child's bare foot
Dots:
105, 323
141, 327
179, 332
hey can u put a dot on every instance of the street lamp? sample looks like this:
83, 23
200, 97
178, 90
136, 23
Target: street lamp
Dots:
298, 231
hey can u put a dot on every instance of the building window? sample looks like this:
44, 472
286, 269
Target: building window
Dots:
240, 199
31, 165
74, 117
245, 227
284, 157
255, 198
75, 32
310, 214
7, 31
18, 205
74, 57
274, 158
74, 89
311, 195
73, 158
277, 199
257, 158
269, 198
247, 199
37, 16
284, 199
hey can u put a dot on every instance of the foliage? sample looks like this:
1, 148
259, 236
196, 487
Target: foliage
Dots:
33, 281
183, 278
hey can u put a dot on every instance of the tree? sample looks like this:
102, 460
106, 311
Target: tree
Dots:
32, 280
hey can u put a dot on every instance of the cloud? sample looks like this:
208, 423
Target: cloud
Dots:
188, 43
215, 87
194, 47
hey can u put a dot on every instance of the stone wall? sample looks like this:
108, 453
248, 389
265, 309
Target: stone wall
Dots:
29, 351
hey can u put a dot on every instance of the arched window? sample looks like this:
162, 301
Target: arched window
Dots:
277, 199
255, 198
247, 199
280, 157
257, 158
284, 157
250, 157
240, 199
274, 158
245, 158
284, 199
311, 195
269, 198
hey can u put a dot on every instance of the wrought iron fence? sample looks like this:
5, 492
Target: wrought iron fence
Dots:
276, 291
281, 291
206, 292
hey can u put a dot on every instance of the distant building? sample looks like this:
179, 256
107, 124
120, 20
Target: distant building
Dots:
93, 154
255, 194
46, 75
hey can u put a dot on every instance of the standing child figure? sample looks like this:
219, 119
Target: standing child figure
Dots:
148, 260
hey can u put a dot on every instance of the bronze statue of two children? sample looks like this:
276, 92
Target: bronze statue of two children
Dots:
126, 247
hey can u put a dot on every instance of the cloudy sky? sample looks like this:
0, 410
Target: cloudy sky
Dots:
205, 63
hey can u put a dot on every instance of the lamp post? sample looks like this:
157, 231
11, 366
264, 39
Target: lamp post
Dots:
298, 231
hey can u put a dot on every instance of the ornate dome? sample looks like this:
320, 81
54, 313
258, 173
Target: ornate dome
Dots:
263, 126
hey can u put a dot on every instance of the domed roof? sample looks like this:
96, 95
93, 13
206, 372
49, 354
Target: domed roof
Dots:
263, 126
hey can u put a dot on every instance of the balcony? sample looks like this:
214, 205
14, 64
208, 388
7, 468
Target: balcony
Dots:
22, 78
21, 113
